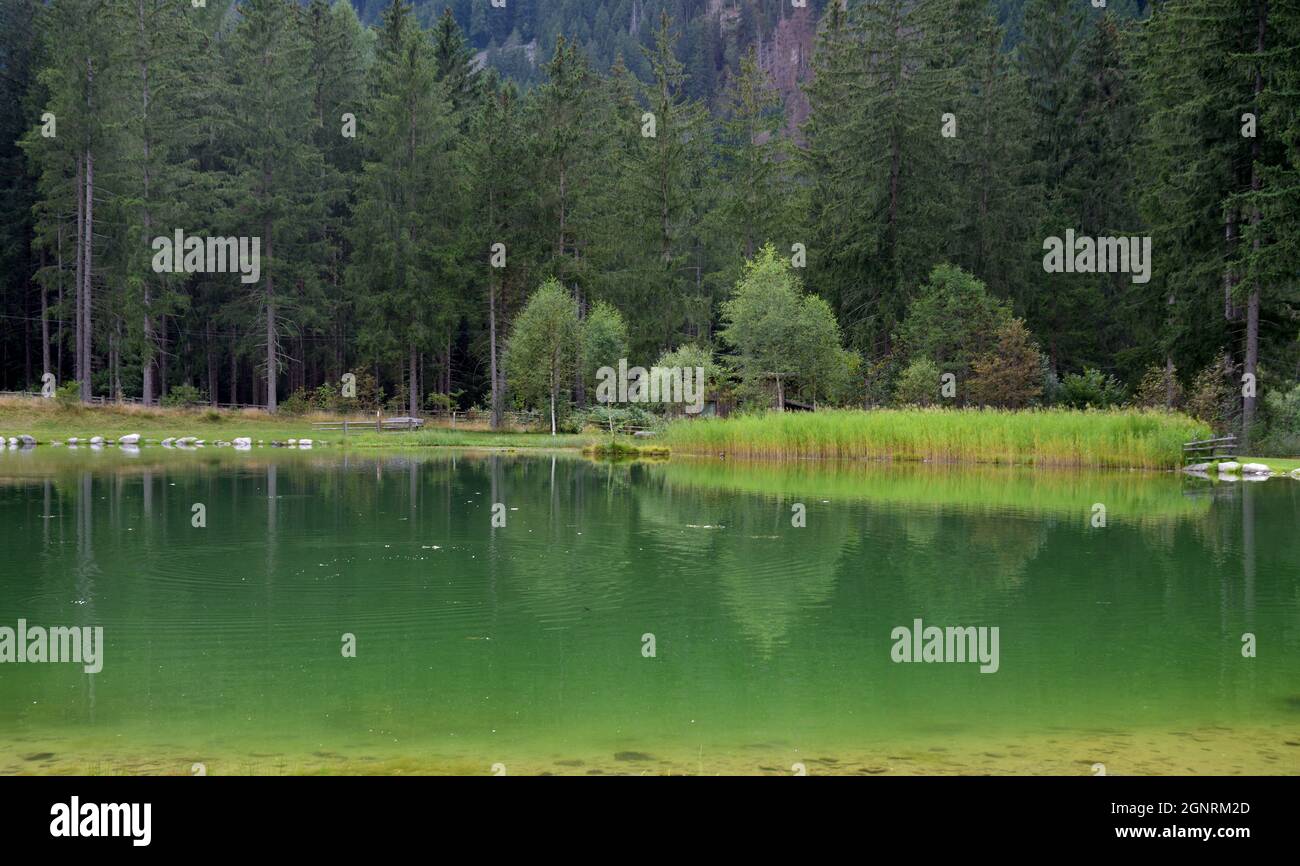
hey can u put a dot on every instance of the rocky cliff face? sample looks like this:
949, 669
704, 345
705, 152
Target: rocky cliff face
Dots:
786, 56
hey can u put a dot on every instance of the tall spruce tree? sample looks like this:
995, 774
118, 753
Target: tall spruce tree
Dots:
398, 229
273, 165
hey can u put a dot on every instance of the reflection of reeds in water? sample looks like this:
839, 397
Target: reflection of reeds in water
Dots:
1127, 439
1127, 496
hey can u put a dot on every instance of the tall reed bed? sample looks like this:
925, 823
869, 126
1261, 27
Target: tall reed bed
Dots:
1133, 439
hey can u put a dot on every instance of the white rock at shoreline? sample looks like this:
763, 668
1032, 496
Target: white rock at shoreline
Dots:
1197, 468
167, 443
1229, 466
96, 440
1256, 469
129, 439
304, 443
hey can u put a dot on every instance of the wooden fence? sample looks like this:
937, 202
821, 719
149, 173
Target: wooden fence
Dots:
1206, 450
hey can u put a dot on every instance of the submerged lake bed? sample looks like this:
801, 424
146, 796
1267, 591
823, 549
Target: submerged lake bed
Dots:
323, 612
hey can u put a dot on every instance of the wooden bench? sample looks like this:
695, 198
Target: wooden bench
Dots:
1209, 450
379, 425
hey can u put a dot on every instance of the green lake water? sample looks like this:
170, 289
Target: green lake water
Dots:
524, 645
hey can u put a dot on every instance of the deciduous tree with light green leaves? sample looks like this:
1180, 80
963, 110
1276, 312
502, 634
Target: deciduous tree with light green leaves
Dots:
782, 337
545, 349
604, 339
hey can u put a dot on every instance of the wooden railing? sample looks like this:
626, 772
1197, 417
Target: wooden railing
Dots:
379, 425
1206, 450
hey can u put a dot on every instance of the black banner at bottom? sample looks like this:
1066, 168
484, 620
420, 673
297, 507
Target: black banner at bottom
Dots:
336, 816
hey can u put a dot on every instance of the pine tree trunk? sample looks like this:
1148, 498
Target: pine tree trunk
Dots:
1252, 304
147, 350
270, 328
79, 298
1230, 311
58, 372
88, 255
27, 346
213, 395
413, 385
162, 356
117, 362
492, 351
1169, 383
45, 324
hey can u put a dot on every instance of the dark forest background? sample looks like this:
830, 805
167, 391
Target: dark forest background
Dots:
816, 126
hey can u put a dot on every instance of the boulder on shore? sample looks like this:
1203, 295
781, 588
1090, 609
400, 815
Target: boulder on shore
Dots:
1256, 469
167, 443
1229, 466
129, 439
1197, 468
26, 441
96, 440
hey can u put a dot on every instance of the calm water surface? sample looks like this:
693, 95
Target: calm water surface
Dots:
522, 645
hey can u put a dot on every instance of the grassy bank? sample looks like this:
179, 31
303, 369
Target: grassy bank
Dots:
49, 422
1277, 464
1118, 439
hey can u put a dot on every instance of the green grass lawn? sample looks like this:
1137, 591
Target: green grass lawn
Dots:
1121, 439
1277, 464
48, 422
